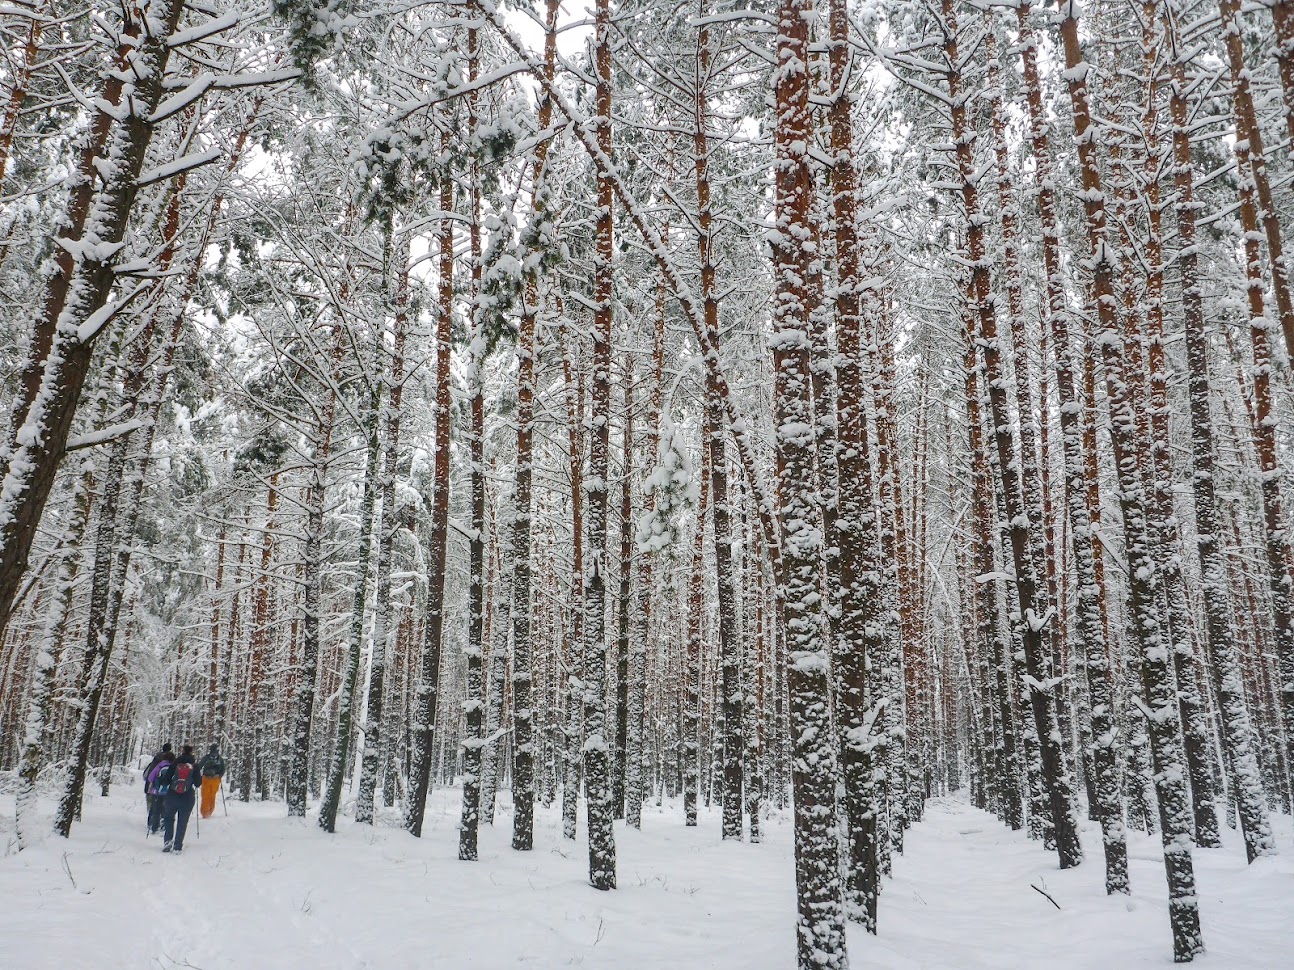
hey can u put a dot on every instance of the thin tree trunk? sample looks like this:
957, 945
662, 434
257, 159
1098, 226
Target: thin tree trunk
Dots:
372, 419
473, 702
424, 714
376, 740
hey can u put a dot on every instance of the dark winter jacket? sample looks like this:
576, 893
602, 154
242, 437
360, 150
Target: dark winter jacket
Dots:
211, 765
167, 777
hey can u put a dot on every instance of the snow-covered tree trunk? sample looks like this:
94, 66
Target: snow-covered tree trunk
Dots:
473, 701
500, 628
1020, 487
720, 517
79, 302
597, 764
523, 718
1150, 385
861, 633
574, 729
643, 617
888, 671
1250, 137
1220, 640
313, 559
821, 927
1093, 650
376, 740
624, 595
428, 691
1160, 701
694, 653
337, 765
1258, 212
48, 648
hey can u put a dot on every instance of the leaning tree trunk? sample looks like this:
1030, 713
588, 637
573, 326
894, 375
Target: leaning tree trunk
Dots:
1161, 702
1020, 487
78, 299
1093, 649
120, 501
1237, 729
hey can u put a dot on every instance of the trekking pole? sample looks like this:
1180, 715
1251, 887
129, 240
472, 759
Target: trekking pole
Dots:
197, 822
224, 804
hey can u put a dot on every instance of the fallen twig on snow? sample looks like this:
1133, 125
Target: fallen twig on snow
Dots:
1047, 894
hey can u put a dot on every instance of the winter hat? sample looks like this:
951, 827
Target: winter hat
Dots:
166, 748
188, 750
213, 750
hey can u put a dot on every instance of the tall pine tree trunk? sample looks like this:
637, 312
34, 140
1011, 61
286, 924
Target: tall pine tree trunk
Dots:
597, 766
1161, 703
821, 928
376, 740
337, 765
861, 635
1237, 729
1020, 487
1092, 647
428, 692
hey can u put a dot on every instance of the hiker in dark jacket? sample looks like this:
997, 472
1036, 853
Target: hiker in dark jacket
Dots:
181, 784
212, 769
155, 801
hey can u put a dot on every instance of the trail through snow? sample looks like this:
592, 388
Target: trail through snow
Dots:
257, 890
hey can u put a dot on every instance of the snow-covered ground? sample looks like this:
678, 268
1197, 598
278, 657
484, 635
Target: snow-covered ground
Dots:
254, 890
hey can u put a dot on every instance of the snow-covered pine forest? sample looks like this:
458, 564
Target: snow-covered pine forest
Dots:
825, 424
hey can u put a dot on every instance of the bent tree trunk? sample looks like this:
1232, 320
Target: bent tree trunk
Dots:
78, 301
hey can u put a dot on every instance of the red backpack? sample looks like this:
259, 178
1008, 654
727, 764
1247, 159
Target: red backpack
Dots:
180, 779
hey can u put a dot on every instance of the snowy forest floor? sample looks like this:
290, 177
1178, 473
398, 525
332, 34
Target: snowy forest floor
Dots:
255, 890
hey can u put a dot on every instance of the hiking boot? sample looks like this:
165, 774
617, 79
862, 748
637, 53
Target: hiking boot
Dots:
167, 847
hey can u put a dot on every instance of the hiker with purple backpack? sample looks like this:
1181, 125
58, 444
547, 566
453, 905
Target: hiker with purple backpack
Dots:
160, 760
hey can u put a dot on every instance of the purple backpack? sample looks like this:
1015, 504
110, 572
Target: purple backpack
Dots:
156, 786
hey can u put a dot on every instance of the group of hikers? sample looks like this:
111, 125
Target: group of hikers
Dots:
171, 783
